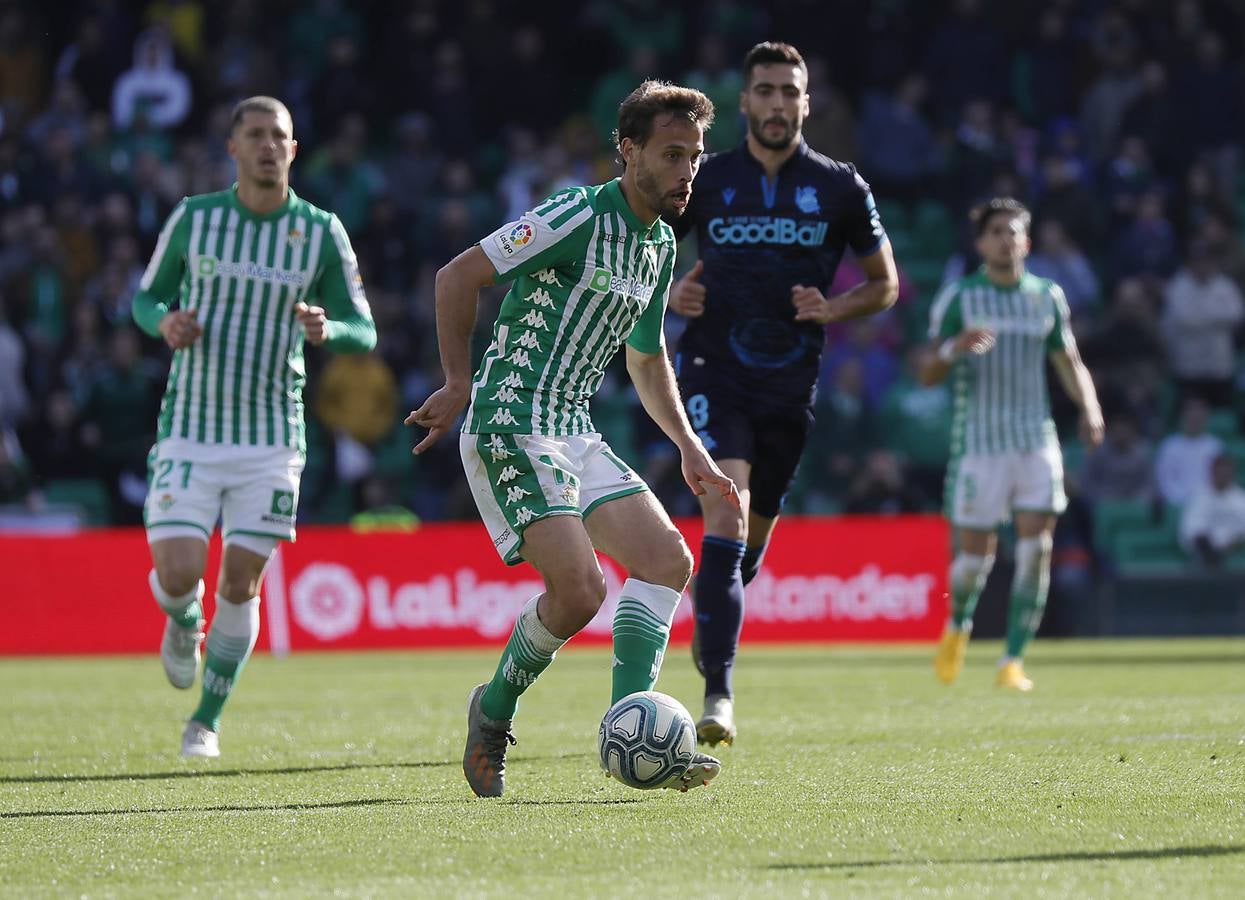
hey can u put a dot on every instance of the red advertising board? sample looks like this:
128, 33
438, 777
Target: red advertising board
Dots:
844, 579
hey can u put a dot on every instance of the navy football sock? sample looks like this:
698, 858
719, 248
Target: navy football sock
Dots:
719, 610
751, 564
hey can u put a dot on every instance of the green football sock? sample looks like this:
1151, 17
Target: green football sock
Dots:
235, 627
529, 652
1030, 586
641, 632
186, 610
968, 579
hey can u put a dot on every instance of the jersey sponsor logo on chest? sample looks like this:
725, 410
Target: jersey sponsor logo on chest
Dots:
604, 281
211, 267
1032, 327
767, 230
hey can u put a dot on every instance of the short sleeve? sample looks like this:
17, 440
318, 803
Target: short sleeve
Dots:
862, 225
1060, 337
341, 286
546, 237
946, 317
163, 275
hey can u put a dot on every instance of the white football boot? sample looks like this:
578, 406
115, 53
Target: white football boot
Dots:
199, 741
180, 654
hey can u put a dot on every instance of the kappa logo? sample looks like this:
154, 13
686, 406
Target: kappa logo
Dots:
520, 359
509, 473
497, 447
518, 236
515, 493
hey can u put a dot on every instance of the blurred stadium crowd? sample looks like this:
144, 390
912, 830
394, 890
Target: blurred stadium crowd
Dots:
424, 124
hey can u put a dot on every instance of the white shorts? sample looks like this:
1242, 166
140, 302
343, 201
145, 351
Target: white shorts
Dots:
518, 479
250, 490
983, 490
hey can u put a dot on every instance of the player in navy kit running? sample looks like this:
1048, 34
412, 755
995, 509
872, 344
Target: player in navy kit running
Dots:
772, 219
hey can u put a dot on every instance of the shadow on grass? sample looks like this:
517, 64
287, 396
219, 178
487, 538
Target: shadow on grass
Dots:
295, 807
236, 773
1100, 856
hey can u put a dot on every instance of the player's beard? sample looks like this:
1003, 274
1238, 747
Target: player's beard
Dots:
757, 126
650, 190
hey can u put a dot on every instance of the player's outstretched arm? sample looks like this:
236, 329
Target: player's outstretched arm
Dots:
458, 286
659, 394
1079, 384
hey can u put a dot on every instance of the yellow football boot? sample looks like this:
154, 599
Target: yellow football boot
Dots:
950, 657
1012, 675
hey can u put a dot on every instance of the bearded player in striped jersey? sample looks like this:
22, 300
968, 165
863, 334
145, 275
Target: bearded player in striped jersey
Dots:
238, 281
590, 269
992, 333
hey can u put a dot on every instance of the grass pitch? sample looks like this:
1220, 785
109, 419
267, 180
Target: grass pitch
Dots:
855, 774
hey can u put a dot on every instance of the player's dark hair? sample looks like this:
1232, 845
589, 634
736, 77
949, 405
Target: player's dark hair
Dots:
259, 104
769, 52
981, 215
653, 98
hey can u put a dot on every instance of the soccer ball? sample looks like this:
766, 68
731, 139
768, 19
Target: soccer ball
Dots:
646, 740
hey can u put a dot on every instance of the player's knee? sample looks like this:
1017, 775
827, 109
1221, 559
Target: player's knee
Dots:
670, 567
579, 593
723, 520
178, 577
239, 583
1033, 555
969, 571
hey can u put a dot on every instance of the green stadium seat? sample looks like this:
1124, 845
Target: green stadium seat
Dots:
90, 495
1113, 516
1224, 424
925, 273
894, 215
935, 228
1236, 446
1148, 551
1073, 457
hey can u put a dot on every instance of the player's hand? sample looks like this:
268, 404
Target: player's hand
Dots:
1092, 427
974, 340
180, 328
688, 296
315, 323
438, 414
811, 305
700, 470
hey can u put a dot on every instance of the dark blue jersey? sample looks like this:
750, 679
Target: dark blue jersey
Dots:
757, 239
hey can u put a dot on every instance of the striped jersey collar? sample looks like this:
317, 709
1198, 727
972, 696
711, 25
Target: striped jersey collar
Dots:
613, 193
290, 199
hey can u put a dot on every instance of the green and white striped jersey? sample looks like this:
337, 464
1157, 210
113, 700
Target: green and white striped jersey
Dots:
1000, 398
587, 276
241, 382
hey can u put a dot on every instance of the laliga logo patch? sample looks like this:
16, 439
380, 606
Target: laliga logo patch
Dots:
520, 235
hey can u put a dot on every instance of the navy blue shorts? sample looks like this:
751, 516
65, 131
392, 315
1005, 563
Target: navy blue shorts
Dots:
734, 425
